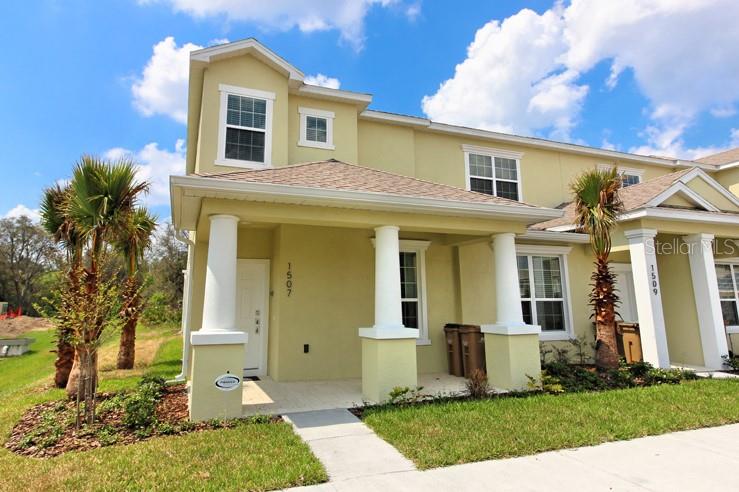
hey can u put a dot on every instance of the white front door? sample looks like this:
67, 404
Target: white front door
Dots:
625, 286
252, 315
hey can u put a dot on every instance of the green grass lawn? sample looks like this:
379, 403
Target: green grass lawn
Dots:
247, 457
442, 434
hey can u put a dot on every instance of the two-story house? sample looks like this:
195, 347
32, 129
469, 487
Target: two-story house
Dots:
330, 241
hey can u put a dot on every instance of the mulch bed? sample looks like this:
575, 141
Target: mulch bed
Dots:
56, 419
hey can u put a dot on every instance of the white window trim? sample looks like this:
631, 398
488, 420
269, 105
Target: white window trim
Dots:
562, 252
318, 113
269, 97
733, 265
419, 247
492, 153
630, 171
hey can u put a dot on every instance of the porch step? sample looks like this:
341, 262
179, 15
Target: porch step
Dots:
347, 448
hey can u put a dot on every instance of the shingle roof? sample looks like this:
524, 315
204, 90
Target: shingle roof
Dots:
337, 175
633, 197
725, 157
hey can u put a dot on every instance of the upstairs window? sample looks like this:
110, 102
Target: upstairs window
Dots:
493, 172
316, 128
629, 176
245, 136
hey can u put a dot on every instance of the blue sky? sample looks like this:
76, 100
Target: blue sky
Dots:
649, 76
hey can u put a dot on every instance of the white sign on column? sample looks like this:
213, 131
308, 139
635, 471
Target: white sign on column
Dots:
648, 296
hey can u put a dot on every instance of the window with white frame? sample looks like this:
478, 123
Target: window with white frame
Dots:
493, 172
245, 133
629, 176
542, 278
728, 288
413, 287
316, 128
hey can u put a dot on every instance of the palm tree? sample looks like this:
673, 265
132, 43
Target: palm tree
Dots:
102, 197
597, 206
131, 241
56, 221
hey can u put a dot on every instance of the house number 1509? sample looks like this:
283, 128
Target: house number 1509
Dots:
653, 280
289, 279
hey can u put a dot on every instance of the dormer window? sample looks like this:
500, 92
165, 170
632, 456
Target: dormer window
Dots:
493, 171
245, 133
316, 128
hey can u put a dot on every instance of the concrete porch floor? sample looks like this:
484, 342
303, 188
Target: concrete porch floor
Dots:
268, 397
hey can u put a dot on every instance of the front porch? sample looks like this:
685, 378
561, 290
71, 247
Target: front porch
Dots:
269, 397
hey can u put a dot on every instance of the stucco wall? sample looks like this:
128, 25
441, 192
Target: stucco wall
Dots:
730, 179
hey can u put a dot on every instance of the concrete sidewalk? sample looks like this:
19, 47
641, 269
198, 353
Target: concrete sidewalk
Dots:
704, 459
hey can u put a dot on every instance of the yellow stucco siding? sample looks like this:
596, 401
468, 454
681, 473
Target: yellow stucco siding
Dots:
678, 306
246, 72
387, 147
344, 131
729, 178
709, 193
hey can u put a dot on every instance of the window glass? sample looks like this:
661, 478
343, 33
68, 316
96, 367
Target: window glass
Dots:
506, 189
725, 282
505, 169
728, 287
481, 165
246, 112
409, 288
316, 129
244, 145
481, 185
630, 180
545, 305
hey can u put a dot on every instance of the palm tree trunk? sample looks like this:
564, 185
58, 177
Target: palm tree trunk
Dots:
64, 361
127, 348
75, 385
604, 299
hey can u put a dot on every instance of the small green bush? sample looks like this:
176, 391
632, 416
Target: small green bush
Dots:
158, 310
731, 361
139, 407
47, 434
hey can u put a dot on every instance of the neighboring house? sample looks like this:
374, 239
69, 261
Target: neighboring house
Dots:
341, 239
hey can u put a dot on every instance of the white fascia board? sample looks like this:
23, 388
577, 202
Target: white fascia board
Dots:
534, 142
682, 189
728, 165
689, 176
556, 236
366, 200
358, 98
681, 215
207, 54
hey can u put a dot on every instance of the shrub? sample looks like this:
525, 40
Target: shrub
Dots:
405, 395
158, 310
573, 378
139, 408
731, 361
548, 383
477, 384
48, 432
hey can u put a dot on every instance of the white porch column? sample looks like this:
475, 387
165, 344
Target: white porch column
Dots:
648, 296
707, 300
218, 347
507, 293
511, 346
388, 313
388, 347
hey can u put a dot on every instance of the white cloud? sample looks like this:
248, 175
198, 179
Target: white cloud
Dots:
512, 80
20, 210
162, 87
668, 142
323, 81
523, 74
154, 165
345, 16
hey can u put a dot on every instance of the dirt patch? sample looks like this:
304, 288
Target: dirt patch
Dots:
146, 349
15, 327
48, 429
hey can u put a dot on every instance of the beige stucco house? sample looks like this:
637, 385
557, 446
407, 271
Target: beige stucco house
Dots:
330, 241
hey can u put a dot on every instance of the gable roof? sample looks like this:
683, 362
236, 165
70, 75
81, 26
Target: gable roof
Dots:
337, 175
726, 157
650, 194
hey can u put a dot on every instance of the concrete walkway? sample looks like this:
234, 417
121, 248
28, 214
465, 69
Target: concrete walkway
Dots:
347, 448
704, 459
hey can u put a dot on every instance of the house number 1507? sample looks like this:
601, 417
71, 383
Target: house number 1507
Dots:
289, 279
